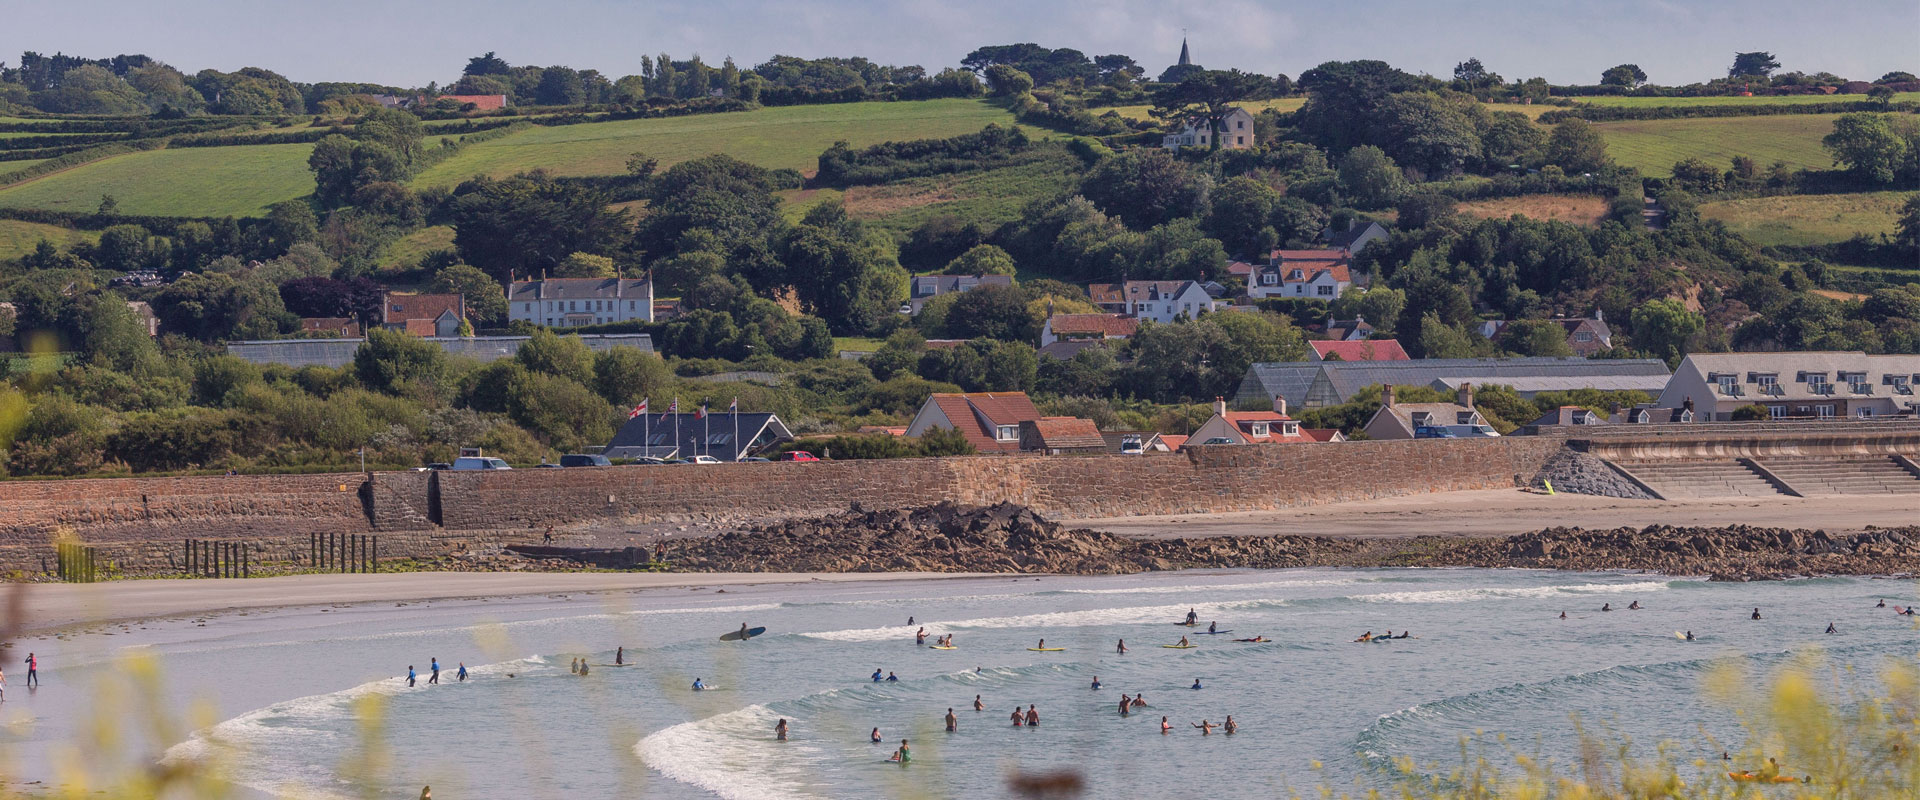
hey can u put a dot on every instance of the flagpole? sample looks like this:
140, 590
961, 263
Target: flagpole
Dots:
707, 420
676, 427
646, 430
738, 449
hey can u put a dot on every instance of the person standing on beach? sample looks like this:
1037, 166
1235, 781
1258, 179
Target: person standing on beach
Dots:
953, 722
409, 676
435, 667
33, 671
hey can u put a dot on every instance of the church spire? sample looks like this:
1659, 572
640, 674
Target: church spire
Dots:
1185, 60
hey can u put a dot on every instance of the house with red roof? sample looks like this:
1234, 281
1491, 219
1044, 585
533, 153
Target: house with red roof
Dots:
1076, 327
1160, 301
990, 420
1362, 350
1321, 274
423, 314
1060, 435
1250, 427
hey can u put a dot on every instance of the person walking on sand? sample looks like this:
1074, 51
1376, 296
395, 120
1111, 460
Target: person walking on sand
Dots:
33, 671
780, 730
1033, 717
547, 538
409, 676
1206, 728
463, 672
953, 722
977, 705
434, 666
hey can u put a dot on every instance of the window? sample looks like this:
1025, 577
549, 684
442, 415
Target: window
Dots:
1007, 433
1239, 140
720, 439
1583, 336
1326, 291
1422, 419
1804, 376
1268, 278
1863, 413
1824, 411
1777, 412
573, 305
656, 439
1290, 429
1240, 124
1257, 429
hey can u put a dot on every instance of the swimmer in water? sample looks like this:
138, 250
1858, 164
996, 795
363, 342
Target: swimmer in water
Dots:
1125, 704
876, 676
1606, 606
875, 736
902, 755
920, 636
1230, 727
1096, 683
1563, 615
583, 666
891, 678
1633, 606
1196, 683
1140, 700
780, 730
1206, 728
953, 722
1164, 727
1121, 648
409, 676
1033, 717
977, 705
1756, 614
1881, 604
1019, 719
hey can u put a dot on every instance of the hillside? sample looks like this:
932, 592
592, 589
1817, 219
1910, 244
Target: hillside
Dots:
1730, 100
18, 238
1798, 220
185, 182
789, 136
1652, 146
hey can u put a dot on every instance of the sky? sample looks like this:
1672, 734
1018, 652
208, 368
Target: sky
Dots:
408, 43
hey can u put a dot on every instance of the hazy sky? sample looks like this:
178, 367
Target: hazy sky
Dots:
410, 42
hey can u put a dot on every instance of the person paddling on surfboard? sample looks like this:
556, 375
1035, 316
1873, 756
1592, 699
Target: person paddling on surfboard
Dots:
699, 685
1606, 606
1689, 636
1213, 627
1183, 642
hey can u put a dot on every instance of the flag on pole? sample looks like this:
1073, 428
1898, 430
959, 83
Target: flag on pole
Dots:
701, 413
734, 407
639, 410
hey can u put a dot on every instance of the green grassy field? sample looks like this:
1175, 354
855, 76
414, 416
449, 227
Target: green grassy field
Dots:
189, 182
15, 134
788, 136
987, 197
1653, 146
1809, 219
405, 252
16, 166
18, 238
1792, 99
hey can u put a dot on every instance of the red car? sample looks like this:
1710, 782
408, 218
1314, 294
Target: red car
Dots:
797, 455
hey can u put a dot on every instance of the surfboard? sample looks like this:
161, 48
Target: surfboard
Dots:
941, 647
613, 665
1179, 646
734, 636
1188, 624
1046, 649
1679, 635
1214, 633
1254, 641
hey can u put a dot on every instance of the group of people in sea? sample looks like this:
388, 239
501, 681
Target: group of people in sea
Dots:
434, 672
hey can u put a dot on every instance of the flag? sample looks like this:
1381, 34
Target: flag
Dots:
639, 410
675, 407
702, 413
734, 407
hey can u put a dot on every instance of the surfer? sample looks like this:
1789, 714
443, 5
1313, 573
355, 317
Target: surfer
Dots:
1689, 636
876, 676
1041, 646
1033, 717
699, 685
1096, 683
1184, 643
1563, 615
1231, 727
1365, 637
1196, 683
1125, 704
435, 666
1756, 614
409, 676
920, 636
463, 672
1606, 606
953, 722
1405, 635
780, 730
1193, 617
1906, 613
1206, 728
902, 755
744, 635
1164, 727
1121, 648
892, 678
1140, 700
1019, 719
1213, 627
875, 736
1831, 629
1881, 604
909, 619
1633, 606
977, 705
620, 656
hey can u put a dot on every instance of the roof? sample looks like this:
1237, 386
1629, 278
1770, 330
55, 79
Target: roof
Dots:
1363, 350
1243, 421
1788, 368
1239, 269
1061, 433
1441, 413
654, 435
1290, 256
1137, 291
1324, 434
397, 308
581, 289
1292, 379
1112, 326
1173, 441
1569, 415
1344, 239
972, 412
479, 101
930, 285
421, 327
1533, 384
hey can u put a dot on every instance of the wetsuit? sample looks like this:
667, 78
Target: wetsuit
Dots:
409, 676
435, 678
33, 671
463, 672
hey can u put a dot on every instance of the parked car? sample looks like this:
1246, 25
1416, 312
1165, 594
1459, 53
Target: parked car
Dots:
1472, 431
797, 455
1433, 432
584, 460
649, 461
702, 460
466, 463
439, 465
1218, 440
755, 459
545, 465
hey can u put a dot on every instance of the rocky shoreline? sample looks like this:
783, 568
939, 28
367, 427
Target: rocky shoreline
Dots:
1009, 538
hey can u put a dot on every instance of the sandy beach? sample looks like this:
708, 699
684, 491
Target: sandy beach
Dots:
1507, 512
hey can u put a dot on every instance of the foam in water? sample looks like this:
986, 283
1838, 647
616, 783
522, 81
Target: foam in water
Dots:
1195, 588
1470, 595
1132, 615
730, 755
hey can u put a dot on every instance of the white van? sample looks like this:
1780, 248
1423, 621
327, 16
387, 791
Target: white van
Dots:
1458, 431
476, 463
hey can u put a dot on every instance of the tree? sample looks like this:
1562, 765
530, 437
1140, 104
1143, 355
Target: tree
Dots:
1909, 230
1434, 135
1663, 326
1535, 337
559, 86
1757, 64
1875, 147
1207, 95
627, 375
116, 338
393, 362
1576, 147
586, 265
1241, 208
486, 303
1426, 208
1005, 81
214, 306
992, 312
1628, 76
1473, 75
1437, 339
121, 247
552, 354
1370, 178
1343, 99
1144, 187
529, 224
488, 64
982, 259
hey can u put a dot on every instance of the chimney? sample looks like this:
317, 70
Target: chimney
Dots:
1386, 398
1279, 405
1219, 406
1466, 395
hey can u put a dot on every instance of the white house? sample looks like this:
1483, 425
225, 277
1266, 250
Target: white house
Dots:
1236, 133
1816, 384
1321, 274
1160, 301
572, 302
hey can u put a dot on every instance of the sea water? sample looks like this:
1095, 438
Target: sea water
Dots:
1488, 655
